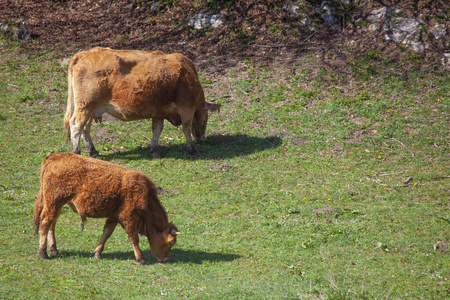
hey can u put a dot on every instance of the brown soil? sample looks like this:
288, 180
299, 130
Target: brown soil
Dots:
255, 30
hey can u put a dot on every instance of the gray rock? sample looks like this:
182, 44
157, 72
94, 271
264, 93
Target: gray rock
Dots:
399, 30
154, 7
407, 32
439, 31
17, 30
328, 14
446, 60
201, 21
299, 13
380, 14
291, 9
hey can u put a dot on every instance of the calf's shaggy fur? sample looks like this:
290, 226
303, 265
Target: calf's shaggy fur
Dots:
97, 189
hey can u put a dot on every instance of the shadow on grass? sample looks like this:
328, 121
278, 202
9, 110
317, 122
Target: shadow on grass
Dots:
176, 256
213, 147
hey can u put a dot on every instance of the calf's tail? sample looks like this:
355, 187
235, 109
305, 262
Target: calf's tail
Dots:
38, 206
39, 203
70, 102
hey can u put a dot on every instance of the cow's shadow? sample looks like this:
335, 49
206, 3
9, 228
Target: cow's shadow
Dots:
216, 146
176, 256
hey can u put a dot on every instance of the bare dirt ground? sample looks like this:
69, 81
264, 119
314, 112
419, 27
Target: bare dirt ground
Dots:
255, 30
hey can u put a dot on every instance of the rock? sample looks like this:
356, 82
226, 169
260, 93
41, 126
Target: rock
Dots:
407, 32
439, 31
154, 7
296, 12
446, 60
201, 21
378, 15
291, 9
328, 15
15, 30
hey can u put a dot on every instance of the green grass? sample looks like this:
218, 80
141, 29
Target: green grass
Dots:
308, 187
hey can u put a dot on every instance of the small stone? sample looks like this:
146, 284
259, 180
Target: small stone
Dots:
201, 21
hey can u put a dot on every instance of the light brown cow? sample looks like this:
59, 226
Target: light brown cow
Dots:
98, 189
132, 85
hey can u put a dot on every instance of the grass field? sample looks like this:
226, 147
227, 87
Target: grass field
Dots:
310, 186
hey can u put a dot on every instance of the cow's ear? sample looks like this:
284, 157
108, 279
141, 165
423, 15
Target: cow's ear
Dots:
212, 106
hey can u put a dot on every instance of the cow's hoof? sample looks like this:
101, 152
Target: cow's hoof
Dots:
54, 252
142, 262
155, 151
97, 256
43, 255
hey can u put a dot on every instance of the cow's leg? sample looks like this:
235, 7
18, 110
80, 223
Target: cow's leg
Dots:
157, 127
108, 229
187, 127
76, 128
86, 134
80, 125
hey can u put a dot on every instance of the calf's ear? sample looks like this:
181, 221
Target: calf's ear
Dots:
212, 106
170, 235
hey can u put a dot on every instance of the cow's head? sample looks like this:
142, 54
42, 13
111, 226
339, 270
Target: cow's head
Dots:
201, 118
162, 242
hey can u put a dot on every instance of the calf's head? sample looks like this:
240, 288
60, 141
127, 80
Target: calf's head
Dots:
201, 118
162, 242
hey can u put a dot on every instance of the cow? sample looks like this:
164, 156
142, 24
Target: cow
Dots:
97, 189
132, 85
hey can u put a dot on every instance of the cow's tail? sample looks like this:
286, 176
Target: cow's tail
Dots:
70, 102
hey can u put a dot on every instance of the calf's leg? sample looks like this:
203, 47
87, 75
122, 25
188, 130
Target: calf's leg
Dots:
48, 220
134, 238
43, 240
51, 237
132, 233
108, 229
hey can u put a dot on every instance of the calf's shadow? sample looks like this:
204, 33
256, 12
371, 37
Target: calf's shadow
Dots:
216, 146
176, 256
